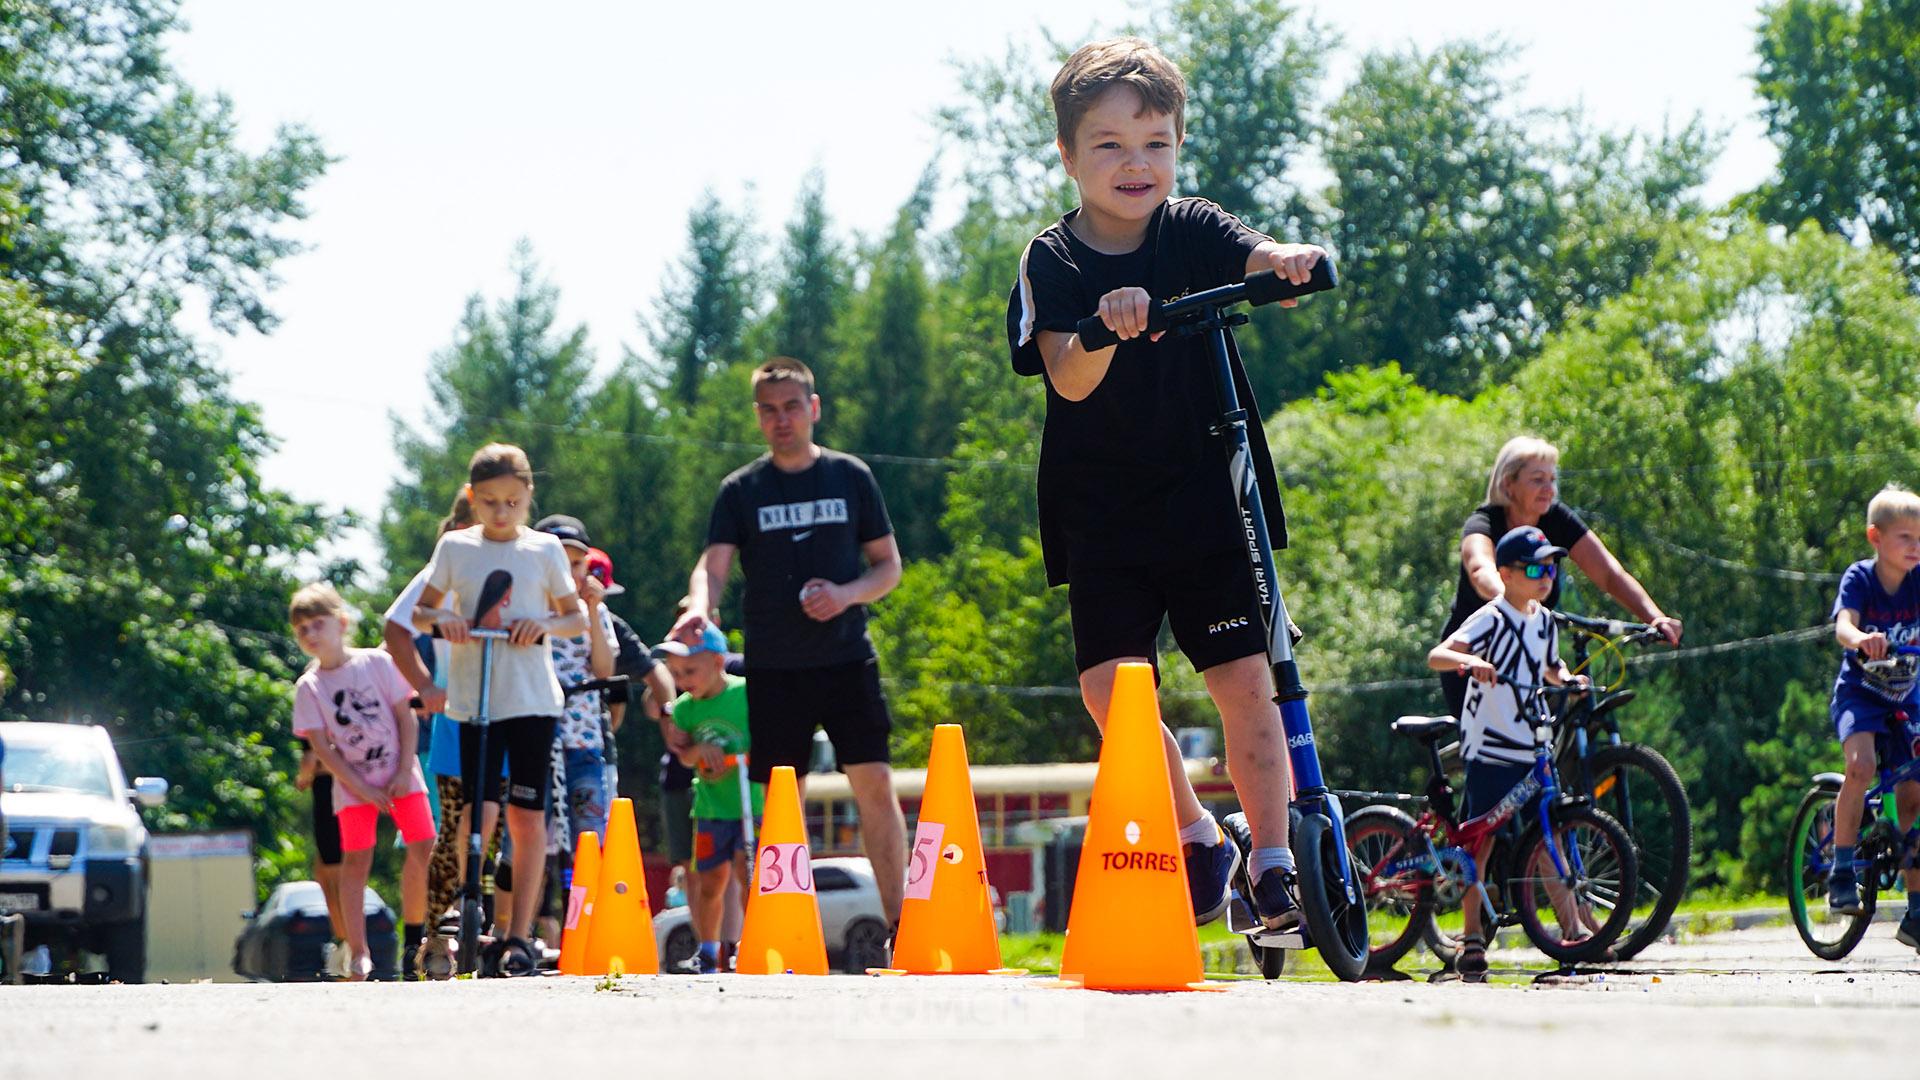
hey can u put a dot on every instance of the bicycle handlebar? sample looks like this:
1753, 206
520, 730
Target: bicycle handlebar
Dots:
1607, 627
1260, 287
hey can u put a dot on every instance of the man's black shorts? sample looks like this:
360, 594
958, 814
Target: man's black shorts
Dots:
524, 744
1209, 602
784, 706
326, 827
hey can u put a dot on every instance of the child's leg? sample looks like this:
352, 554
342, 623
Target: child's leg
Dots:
356, 862
1096, 690
528, 828
1862, 770
443, 873
413, 816
713, 898
1472, 908
1906, 801
1256, 745
329, 879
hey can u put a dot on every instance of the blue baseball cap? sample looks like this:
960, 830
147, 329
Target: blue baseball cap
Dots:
1525, 544
711, 641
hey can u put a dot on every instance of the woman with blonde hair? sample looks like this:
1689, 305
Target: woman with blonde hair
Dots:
1524, 489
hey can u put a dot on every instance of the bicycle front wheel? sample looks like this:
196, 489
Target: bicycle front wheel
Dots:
1809, 859
1573, 888
1639, 789
1385, 849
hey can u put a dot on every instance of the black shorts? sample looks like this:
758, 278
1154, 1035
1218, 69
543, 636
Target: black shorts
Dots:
785, 706
326, 824
1488, 782
1210, 603
524, 744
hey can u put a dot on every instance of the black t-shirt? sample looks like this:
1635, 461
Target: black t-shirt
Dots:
1132, 474
1562, 526
790, 528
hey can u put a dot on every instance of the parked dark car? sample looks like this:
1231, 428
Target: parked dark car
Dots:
287, 939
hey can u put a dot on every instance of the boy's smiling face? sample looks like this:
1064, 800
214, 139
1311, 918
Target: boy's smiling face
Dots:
1897, 543
1123, 160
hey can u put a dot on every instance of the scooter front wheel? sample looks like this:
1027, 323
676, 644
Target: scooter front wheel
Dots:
1338, 926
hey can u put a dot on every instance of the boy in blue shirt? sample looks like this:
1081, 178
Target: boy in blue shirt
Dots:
1137, 511
1873, 711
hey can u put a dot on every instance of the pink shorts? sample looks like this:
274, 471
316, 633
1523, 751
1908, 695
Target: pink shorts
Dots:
413, 814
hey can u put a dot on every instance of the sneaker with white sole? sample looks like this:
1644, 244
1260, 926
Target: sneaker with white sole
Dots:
1210, 872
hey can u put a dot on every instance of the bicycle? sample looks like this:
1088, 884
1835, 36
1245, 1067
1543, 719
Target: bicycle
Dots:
1571, 862
1335, 917
1631, 782
1880, 854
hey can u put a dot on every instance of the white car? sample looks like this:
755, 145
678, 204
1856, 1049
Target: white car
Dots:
851, 918
73, 853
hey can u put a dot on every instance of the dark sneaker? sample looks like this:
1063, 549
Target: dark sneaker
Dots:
1909, 932
1273, 900
1210, 872
1471, 962
1843, 895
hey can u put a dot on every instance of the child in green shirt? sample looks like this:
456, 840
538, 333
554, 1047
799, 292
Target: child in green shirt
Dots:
712, 710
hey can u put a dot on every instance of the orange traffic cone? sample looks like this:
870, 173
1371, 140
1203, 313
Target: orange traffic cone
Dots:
573, 936
782, 932
946, 922
620, 937
1131, 927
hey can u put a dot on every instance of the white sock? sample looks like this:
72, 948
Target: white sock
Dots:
1269, 858
1203, 830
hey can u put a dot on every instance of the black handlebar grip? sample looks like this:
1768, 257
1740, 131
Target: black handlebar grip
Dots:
1266, 287
1095, 336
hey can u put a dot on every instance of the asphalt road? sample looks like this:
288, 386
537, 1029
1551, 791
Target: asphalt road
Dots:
1747, 1003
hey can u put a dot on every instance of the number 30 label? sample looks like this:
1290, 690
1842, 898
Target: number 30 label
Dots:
924, 860
785, 868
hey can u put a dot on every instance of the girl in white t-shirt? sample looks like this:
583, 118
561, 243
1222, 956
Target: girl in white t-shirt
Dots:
499, 574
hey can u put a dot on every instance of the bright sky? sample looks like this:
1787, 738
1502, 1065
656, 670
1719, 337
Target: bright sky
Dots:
591, 129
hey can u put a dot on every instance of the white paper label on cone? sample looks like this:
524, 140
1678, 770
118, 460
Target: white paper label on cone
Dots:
784, 868
920, 863
576, 902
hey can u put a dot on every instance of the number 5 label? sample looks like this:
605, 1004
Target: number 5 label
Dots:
925, 858
785, 868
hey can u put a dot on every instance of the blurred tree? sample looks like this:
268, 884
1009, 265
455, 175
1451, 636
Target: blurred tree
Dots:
1839, 83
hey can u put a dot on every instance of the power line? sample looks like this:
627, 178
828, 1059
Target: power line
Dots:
1777, 573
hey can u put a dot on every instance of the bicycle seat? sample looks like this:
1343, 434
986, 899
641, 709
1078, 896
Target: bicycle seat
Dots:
1427, 729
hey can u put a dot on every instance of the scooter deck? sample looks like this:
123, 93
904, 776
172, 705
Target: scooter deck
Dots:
1240, 920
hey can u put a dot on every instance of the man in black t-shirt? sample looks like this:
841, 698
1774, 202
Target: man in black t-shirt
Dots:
816, 546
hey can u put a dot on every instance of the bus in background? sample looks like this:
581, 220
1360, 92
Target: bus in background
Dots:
1022, 809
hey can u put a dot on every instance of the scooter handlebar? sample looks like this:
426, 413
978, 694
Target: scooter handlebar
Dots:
1260, 287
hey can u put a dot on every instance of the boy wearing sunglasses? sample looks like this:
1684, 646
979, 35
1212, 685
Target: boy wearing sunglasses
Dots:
1505, 649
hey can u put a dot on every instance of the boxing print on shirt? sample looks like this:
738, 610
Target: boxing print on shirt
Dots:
803, 515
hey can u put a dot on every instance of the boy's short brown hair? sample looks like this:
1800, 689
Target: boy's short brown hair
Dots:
1893, 503
1121, 61
318, 598
784, 369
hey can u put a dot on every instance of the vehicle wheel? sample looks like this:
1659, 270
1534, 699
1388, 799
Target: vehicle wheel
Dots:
126, 949
1339, 928
1399, 904
1638, 788
865, 947
680, 947
1809, 858
1574, 911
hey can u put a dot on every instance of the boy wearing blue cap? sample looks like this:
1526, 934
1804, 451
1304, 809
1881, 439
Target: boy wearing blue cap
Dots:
712, 711
1505, 649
